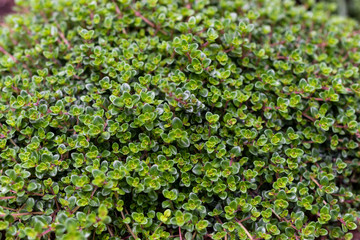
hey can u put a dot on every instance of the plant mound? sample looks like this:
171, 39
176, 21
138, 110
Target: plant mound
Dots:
167, 119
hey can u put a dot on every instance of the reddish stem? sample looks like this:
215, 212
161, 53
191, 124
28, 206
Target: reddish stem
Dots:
138, 14
308, 117
180, 233
229, 50
9, 197
62, 36
46, 232
23, 214
6, 53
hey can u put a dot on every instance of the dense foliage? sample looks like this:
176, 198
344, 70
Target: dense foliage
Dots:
166, 119
349, 8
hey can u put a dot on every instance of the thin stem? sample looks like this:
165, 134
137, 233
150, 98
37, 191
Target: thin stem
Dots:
23, 214
46, 232
158, 226
127, 226
12, 141
296, 237
110, 231
173, 236
75, 209
316, 182
62, 36
151, 24
308, 117
205, 44
246, 231
138, 14
6, 53
9, 197
119, 14
180, 233
229, 50
219, 220
93, 192
11, 209
243, 220
13, 58
276, 214
55, 198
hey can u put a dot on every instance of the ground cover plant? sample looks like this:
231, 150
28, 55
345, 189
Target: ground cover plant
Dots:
166, 119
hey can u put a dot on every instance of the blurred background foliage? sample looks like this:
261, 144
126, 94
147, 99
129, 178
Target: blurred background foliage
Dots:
349, 8
6, 6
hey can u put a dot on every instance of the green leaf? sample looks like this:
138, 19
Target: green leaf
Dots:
176, 123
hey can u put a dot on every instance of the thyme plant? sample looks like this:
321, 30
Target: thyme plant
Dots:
179, 119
